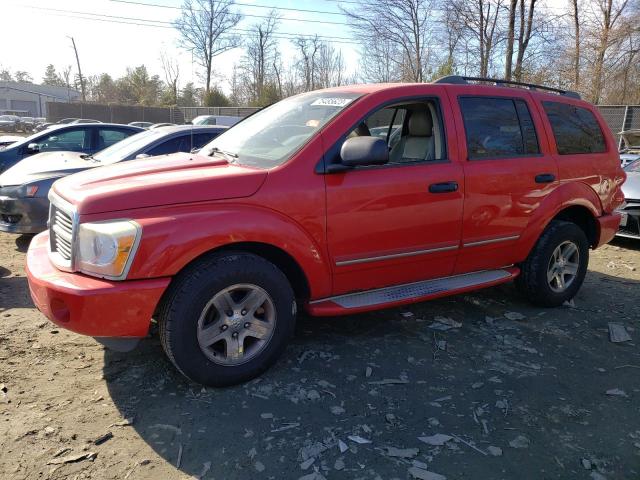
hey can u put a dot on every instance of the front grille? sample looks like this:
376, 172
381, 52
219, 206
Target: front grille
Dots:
632, 209
61, 233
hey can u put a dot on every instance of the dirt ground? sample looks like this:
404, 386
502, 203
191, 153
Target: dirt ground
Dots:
516, 392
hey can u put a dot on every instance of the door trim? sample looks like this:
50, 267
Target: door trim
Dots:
491, 240
413, 253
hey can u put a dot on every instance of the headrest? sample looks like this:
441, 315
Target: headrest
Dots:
420, 124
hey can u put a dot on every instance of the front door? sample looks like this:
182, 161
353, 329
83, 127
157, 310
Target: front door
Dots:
401, 222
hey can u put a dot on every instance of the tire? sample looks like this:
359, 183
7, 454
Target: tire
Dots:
541, 264
196, 311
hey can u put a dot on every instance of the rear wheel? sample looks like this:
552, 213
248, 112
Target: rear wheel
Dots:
227, 318
555, 269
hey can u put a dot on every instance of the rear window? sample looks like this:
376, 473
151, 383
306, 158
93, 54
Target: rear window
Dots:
575, 129
498, 127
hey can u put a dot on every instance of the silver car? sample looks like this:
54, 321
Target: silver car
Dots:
630, 223
631, 150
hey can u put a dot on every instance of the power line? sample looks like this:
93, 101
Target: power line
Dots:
244, 14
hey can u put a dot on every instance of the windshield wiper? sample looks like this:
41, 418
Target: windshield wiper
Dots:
230, 156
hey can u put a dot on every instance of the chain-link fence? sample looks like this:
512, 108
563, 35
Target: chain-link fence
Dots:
620, 117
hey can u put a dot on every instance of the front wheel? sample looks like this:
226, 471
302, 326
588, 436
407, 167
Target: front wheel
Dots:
227, 318
555, 269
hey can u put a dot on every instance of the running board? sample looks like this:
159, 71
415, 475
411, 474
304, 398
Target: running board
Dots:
410, 292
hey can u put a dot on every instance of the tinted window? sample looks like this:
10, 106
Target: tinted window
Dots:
575, 129
201, 139
498, 127
109, 136
76, 140
177, 144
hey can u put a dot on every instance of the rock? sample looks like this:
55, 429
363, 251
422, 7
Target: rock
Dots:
367, 372
494, 451
337, 410
421, 474
259, 466
312, 451
569, 303
436, 440
339, 464
358, 439
444, 323
618, 333
401, 452
49, 430
477, 385
266, 416
307, 463
586, 463
616, 392
514, 316
342, 446
520, 442
313, 395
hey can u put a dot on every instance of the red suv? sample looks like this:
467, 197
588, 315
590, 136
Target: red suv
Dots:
338, 201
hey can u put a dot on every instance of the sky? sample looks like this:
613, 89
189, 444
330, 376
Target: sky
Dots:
36, 33
41, 31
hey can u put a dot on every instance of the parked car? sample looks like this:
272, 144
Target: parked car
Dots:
630, 210
631, 149
6, 140
9, 123
27, 124
144, 125
87, 138
298, 205
24, 188
158, 125
44, 125
84, 120
216, 120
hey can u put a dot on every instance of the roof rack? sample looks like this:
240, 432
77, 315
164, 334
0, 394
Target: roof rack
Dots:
460, 80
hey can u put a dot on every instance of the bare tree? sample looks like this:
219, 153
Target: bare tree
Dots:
576, 33
307, 62
261, 52
402, 25
330, 66
526, 32
171, 70
378, 64
510, 39
205, 28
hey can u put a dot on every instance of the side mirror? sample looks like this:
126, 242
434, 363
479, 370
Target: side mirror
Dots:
361, 151
33, 148
142, 155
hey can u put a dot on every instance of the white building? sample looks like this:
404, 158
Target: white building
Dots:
30, 100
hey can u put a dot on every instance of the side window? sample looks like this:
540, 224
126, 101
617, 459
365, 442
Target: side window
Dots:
109, 136
76, 140
173, 145
498, 127
201, 139
413, 131
575, 129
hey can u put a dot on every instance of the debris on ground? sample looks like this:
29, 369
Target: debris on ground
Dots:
436, 440
100, 440
494, 451
421, 474
616, 392
73, 458
358, 439
520, 442
618, 333
342, 446
401, 452
390, 381
444, 323
514, 316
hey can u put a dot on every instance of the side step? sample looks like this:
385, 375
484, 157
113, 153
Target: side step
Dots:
410, 292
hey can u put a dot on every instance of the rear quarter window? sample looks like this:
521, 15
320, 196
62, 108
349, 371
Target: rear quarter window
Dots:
575, 129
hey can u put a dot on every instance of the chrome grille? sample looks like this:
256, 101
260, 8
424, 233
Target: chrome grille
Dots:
61, 232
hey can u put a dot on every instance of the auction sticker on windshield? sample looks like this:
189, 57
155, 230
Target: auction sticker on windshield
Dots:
332, 102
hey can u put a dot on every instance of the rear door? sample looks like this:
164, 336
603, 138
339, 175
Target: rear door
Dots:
508, 172
400, 222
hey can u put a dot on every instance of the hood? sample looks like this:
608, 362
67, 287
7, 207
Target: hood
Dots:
171, 179
45, 165
631, 187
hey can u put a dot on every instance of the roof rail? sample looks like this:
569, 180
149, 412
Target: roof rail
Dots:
460, 80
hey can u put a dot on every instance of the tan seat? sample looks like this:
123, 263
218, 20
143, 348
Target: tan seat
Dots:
418, 144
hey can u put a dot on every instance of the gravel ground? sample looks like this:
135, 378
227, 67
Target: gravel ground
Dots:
508, 391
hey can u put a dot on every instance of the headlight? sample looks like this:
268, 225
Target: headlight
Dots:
29, 190
106, 249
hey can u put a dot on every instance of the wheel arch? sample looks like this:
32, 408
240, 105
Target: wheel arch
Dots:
583, 218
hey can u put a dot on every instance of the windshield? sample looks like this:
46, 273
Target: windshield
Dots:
633, 166
129, 146
269, 137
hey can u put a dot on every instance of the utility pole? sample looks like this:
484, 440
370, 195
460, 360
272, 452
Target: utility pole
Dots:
84, 96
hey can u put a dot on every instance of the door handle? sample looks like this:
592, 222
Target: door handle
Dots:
545, 178
443, 187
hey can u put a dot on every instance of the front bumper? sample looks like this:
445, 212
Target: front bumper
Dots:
630, 223
607, 227
23, 215
88, 305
